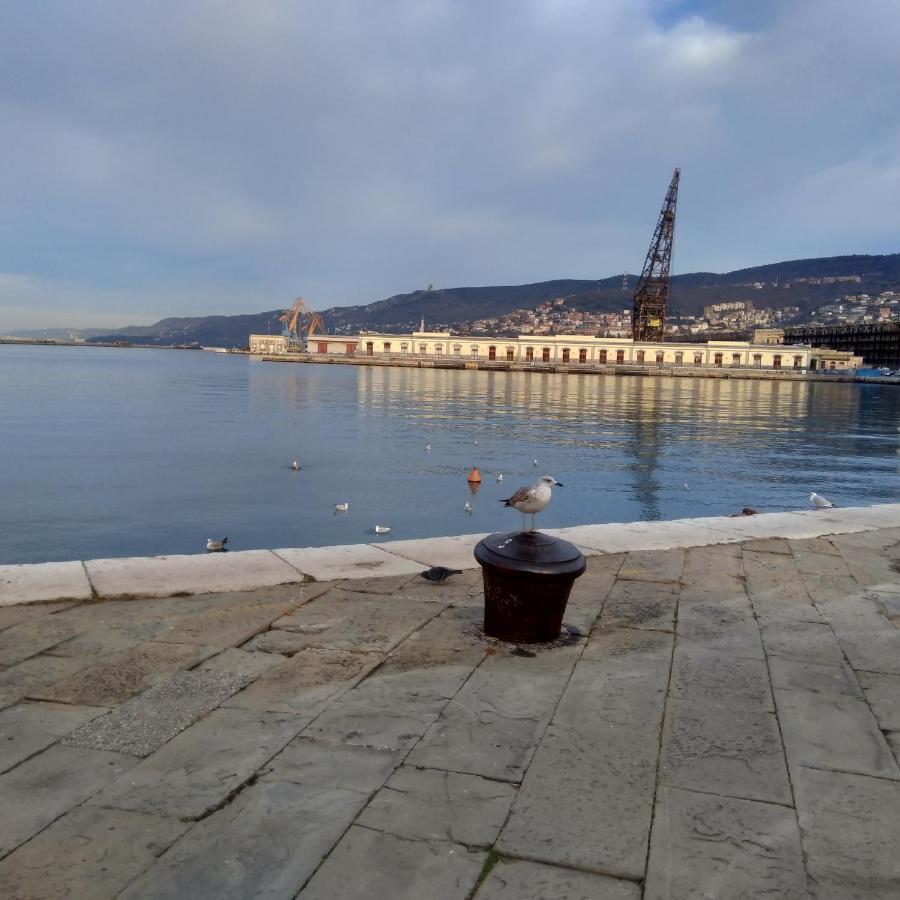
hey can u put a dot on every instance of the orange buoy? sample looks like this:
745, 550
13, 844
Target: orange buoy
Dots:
475, 476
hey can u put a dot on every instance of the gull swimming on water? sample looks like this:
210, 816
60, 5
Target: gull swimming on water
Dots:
499, 477
213, 546
535, 463
531, 500
382, 529
468, 507
820, 502
428, 448
295, 466
342, 507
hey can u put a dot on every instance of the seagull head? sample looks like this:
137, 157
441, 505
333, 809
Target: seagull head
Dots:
549, 479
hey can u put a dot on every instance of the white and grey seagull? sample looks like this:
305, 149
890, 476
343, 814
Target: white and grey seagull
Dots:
820, 502
531, 500
216, 546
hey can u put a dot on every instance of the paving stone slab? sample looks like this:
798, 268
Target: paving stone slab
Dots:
492, 726
198, 769
119, 677
105, 640
729, 750
33, 637
13, 615
765, 570
394, 584
883, 696
151, 719
712, 564
708, 846
587, 798
637, 604
649, 565
851, 834
33, 675
833, 732
306, 683
821, 565
44, 787
266, 843
348, 561
726, 626
163, 576
43, 581
768, 545
873, 652
28, 728
323, 765
517, 879
88, 853
720, 678
367, 864
452, 552
241, 662
427, 804
796, 675
785, 602
616, 537
632, 652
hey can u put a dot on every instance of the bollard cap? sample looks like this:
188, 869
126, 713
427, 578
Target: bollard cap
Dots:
530, 552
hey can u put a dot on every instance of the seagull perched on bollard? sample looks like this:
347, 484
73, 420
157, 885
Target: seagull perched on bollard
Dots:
531, 500
213, 546
820, 502
439, 574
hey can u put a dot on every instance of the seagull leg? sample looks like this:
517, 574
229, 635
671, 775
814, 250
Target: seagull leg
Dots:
524, 522
532, 522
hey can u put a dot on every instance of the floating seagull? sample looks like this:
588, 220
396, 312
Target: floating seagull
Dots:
382, 529
216, 546
428, 448
439, 574
535, 462
295, 466
468, 507
531, 500
499, 477
342, 507
476, 443
820, 502
685, 487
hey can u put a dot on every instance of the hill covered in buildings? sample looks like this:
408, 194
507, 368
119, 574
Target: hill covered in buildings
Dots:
803, 284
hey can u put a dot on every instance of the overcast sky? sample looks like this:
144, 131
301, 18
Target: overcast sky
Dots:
191, 157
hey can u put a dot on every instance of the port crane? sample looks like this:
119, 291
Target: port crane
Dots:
648, 319
299, 324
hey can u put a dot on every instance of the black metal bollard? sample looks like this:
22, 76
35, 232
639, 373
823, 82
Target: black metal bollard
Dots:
527, 580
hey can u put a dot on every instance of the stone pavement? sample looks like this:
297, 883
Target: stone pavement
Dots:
716, 722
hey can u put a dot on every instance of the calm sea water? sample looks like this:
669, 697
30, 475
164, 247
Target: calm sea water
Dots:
126, 452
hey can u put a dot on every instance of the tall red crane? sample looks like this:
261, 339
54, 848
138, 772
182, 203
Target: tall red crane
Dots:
648, 318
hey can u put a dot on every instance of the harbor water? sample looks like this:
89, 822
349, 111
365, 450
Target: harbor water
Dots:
132, 452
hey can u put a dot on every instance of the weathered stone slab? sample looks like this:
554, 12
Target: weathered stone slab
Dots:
883, 696
833, 732
13, 615
28, 728
342, 620
720, 678
266, 843
712, 564
796, 675
651, 565
802, 641
593, 587
636, 604
33, 637
104, 640
43, 581
394, 584
118, 677
632, 652
367, 863
49, 784
768, 545
767, 570
348, 561
813, 545
306, 682
878, 652
707, 846
587, 798
452, 552
89, 852
323, 766
491, 727
821, 565
33, 675
426, 804
616, 537
851, 834
726, 626
163, 576
200, 767
151, 719
241, 662
519, 879
730, 750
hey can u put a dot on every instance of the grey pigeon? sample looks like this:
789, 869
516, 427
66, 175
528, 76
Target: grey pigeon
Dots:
439, 574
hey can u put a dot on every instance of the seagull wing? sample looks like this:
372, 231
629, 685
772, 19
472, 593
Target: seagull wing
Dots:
520, 496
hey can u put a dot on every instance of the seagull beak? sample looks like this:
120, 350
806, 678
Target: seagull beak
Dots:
559, 484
